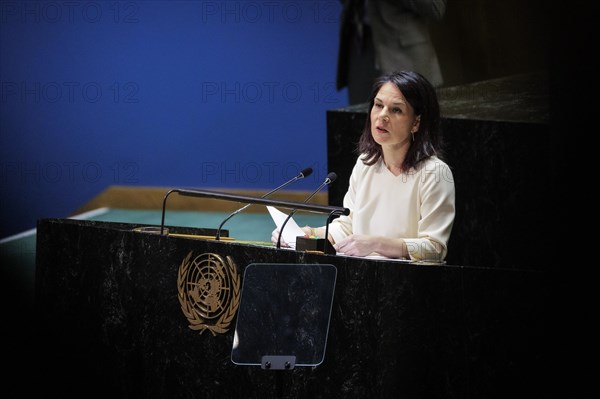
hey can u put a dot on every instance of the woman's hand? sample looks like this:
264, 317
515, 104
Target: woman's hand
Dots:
275, 237
361, 245
357, 245
283, 243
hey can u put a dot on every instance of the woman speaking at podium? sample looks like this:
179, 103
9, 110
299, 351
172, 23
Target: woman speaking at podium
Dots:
401, 194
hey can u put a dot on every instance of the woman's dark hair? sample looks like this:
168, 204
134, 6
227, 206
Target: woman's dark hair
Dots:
421, 95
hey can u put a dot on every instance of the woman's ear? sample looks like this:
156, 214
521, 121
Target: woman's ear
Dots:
416, 124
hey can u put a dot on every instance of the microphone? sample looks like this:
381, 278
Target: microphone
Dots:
304, 173
328, 180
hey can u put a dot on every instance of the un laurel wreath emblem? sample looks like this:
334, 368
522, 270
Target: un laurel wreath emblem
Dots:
208, 291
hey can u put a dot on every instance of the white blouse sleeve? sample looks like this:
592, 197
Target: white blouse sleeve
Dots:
437, 204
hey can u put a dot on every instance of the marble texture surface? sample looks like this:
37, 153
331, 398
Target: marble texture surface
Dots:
108, 321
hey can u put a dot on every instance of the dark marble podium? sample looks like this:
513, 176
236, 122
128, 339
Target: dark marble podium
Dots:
500, 146
109, 322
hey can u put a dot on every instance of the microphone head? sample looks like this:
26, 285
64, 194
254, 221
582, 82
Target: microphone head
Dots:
305, 173
330, 178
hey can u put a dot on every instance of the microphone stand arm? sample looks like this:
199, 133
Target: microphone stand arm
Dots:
252, 200
232, 214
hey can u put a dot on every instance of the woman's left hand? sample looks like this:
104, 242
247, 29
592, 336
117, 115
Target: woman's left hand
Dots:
356, 245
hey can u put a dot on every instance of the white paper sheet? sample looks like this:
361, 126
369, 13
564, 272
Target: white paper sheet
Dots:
291, 230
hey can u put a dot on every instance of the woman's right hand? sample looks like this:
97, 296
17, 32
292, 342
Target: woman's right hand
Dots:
283, 243
275, 238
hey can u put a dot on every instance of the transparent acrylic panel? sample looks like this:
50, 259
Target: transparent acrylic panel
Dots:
283, 316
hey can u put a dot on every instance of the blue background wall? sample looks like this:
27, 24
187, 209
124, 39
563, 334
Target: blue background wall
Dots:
208, 94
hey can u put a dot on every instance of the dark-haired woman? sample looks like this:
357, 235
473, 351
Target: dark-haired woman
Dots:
401, 194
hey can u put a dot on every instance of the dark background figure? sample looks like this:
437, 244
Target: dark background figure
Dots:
381, 36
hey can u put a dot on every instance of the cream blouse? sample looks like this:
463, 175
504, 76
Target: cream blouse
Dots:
417, 206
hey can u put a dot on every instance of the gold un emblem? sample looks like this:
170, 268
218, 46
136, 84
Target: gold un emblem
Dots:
209, 291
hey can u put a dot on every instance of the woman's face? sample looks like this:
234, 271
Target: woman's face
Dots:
393, 119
